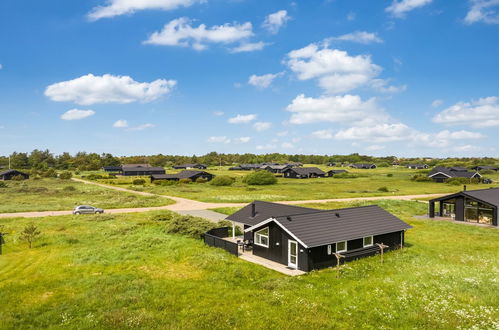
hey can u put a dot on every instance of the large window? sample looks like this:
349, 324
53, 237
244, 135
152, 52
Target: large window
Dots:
449, 208
477, 212
368, 241
341, 246
262, 237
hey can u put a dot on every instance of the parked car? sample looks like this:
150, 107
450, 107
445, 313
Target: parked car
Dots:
487, 181
86, 209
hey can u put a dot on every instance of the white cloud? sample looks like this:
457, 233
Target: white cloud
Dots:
243, 139
375, 147
466, 148
266, 147
399, 8
76, 114
262, 126
241, 119
336, 71
458, 135
381, 85
180, 32
218, 139
482, 11
283, 133
377, 133
287, 145
275, 21
90, 89
483, 112
121, 7
341, 108
263, 81
142, 127
361, 37
249, 47
324, 134
218, 113
121, 123
436, 103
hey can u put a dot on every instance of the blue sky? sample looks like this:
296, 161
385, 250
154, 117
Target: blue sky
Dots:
403, 77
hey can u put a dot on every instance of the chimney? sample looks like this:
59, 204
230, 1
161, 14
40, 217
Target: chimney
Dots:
464, 188
253, 210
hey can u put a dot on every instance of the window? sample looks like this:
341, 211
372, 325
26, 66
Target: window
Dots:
329, 249
262, 237
368, 241
341, 246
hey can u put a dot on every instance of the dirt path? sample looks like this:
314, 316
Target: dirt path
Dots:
192, 207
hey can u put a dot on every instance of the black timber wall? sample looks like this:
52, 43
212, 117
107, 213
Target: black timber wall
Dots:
215, 236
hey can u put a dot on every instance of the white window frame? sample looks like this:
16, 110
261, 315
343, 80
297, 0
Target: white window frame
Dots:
258, 235
329, 249
346, 246
364, 241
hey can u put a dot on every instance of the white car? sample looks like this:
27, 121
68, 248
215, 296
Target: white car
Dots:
86, 209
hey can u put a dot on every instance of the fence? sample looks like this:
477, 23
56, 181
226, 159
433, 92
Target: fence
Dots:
215, 237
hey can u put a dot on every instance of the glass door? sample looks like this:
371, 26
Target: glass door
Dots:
292, 254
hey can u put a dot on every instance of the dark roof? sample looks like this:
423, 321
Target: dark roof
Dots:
486, 167
142, 168
12, 172
453, 174
325, 227
277, 167
337, 171
306, 170
458, 169
417, 165
186, 174
265, 210
135, 165
490, 195
363, 165
190, 165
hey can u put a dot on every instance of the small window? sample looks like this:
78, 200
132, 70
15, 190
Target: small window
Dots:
341, 246
262, 237
368, 241
329, 249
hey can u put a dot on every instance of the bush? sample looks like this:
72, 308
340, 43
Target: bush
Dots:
346, 175
201, 180
185, 180
389, 175
260, 178
77, 172
187, 225
17, 178
3, 185
65, 175
421, 178
488, 172
165, 182
460, 181
94, 177
222, 180
383, 189
69, 188
139, 182
50, 173
383, 165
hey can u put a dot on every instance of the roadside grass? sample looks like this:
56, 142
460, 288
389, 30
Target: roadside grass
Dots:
368, 183
56, 194
124, 271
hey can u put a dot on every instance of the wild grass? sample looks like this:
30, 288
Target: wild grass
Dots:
56, 194
126, 272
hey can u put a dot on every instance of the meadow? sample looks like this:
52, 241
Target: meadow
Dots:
126, 272
56, 194
376, 182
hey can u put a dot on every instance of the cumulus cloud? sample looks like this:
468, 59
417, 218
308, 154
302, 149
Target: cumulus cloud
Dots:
275, 21
483, 112
262, 126
263, 81
76, 114
121, 123
382, 86
338, 109
246, 47
375, 147
226, 140
266, 147
180, 32
243, 139
141, 127
122, 7
436, 103
399, 8
218, 113
90, 89
287, 145
482, 11
324, 134
336, 71
361, 37
241, 119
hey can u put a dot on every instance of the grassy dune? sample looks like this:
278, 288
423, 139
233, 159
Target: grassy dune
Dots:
54, 194
102, 272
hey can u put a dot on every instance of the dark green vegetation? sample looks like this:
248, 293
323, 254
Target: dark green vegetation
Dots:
127, 271
57, 194
259, 178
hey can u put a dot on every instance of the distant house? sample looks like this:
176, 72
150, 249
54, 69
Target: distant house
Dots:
186, 174
478, 206
9, 174
304, 173
190, 166
276, 168
363, 166
246, 167
417, 166
295, 164
331, 164
334, 172
441, 174
307, 239
113, 169
485, 168
141, 169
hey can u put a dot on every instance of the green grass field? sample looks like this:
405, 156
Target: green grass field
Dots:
54, 194
368, 184
123, 272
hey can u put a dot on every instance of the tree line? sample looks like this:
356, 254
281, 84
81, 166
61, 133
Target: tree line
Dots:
84, 161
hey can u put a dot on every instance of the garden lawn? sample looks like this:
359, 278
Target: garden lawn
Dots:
377, 182
56, 194
124, 271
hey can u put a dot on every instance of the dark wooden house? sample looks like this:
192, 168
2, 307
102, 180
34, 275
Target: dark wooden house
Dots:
442, 174
363, 166
186, 174
307, 239
190, 166
141, 170
113, 169
334, 172
486, 168
304, 173
9, 174
478, 206
276, 168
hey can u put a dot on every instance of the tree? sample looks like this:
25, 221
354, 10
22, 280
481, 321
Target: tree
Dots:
260, 178
29, 234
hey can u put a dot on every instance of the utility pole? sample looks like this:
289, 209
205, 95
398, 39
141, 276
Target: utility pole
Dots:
9, 162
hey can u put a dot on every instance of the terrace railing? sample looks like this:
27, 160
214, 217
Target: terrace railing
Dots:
215, 237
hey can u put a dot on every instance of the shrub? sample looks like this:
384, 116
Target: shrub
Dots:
201, 180
187, 225
3, 185
29, 234
487, 172
50, 173
17, 178
94, 177
260, 178
222, 180
185, 180
420, 178
139, 182
383, 189
383, 165
66, 175
69, 188
389, 175
346, 175
77, 172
